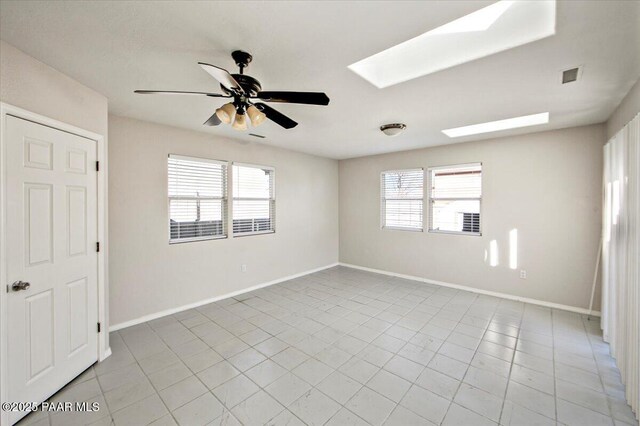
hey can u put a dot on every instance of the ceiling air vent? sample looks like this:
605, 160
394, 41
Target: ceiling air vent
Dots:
257, 136
571, 75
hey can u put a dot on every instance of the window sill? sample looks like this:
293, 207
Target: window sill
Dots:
393, 228
472, 234
192, 240
247, 234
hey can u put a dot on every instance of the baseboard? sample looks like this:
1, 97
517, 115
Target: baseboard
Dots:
477, 290
171, 311
105, 355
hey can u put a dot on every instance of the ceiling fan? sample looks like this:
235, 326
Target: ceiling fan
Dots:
245, 91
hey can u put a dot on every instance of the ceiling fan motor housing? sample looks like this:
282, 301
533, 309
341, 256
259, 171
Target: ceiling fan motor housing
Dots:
250, 85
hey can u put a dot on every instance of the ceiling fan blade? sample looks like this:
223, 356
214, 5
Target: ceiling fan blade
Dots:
276, 117
212, 121
177, 92
309, 98
222, 76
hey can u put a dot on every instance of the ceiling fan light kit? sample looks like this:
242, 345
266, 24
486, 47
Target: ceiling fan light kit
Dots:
240, 122
257, 117
246, 92
226, 112
392, 129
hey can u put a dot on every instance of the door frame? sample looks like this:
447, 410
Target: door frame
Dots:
104, 349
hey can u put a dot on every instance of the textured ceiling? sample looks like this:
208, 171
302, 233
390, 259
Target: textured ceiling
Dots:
115, 47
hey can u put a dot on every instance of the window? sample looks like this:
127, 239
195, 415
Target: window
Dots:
197, 199
401, 193
254, 203
454, 198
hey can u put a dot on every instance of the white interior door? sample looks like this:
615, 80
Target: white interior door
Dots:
51, 195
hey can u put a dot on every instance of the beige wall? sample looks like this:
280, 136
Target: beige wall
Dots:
546, 185
624, 113
30, 84
148, 275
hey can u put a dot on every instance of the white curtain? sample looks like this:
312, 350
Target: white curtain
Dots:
621, 255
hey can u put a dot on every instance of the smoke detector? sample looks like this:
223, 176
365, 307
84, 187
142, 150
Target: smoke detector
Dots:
392, 129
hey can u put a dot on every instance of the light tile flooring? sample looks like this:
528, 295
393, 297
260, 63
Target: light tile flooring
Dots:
346, 347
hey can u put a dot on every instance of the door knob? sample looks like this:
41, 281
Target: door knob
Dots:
20, 285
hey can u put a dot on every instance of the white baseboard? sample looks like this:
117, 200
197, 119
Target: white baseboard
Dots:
477, 290
171, 311
105, 355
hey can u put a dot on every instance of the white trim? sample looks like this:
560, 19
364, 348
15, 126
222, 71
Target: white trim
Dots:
247, 234
104, 349
477, 290
431, 199
398, 228
171, 311
255, 166
383, 201
198, 159
473, 234
415, 169
449, 166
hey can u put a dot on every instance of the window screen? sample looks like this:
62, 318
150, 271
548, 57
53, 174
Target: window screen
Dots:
197, 199
254, 202
454, 198
402, 193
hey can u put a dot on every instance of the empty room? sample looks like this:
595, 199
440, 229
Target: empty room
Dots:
320, 213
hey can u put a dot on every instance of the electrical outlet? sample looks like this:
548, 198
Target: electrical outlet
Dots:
243, 267
523, 274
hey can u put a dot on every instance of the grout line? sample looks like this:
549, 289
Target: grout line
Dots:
604, 392
307, 296
147, 377
469, 365
513, 358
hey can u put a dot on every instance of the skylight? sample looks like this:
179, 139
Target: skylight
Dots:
494, 126
495, 28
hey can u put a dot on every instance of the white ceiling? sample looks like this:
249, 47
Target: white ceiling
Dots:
115, 47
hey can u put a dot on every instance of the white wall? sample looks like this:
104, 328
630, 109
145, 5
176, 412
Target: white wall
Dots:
30, 84
624, 113
148, 275
546, 185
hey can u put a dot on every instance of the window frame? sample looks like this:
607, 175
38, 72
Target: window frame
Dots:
383, 201
224, 199
430, 199
271, 199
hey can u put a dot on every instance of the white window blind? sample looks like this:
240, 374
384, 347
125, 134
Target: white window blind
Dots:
402, 196
254, 202
197, 199
454, 198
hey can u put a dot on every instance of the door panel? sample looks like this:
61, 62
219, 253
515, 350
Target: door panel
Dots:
38, 223
39, 338
78, 315
38, 154
51, 234
77, 220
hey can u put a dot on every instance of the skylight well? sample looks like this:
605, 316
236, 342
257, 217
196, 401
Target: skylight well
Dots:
494, 126
495, 28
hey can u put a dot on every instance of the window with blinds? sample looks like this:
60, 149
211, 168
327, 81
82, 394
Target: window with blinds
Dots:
254, 201
402, 195
455, 195
197, 199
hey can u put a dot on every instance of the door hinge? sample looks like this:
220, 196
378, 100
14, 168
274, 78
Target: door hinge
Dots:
98, 246
97, 166
98, 327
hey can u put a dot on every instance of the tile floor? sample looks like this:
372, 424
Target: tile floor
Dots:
346, 347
